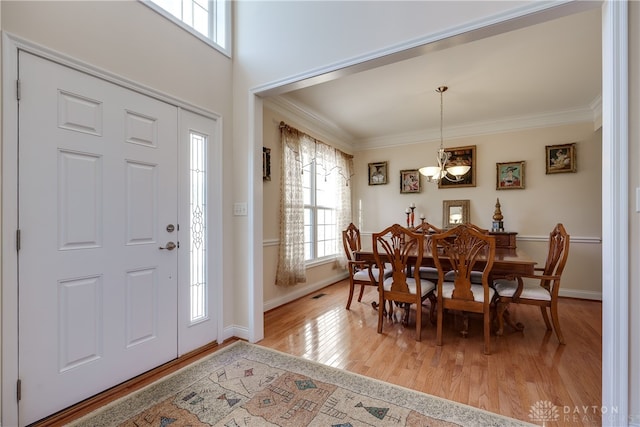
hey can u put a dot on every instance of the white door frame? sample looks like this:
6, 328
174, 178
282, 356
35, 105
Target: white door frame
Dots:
9, 321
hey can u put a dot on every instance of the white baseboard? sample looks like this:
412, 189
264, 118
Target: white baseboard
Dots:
302, 290
235, 331
576, 293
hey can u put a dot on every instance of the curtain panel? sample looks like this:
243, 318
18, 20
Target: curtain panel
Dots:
298, 150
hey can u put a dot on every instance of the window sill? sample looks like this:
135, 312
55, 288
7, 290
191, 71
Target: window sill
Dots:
320, 261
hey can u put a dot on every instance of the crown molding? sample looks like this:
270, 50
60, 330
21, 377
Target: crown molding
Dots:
507, 124
324, 127
316, 123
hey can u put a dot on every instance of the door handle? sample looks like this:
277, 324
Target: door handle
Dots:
169, 246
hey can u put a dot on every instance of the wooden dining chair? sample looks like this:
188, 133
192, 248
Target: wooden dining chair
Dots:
476, 276
427, 230
462, 250
358, 270
403, 249
543, 292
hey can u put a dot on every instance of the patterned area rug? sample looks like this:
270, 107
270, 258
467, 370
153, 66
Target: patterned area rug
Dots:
249, 385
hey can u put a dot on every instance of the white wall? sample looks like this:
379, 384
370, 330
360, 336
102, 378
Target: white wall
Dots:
573, 199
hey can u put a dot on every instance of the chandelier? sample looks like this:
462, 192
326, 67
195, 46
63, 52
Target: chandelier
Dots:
453, 172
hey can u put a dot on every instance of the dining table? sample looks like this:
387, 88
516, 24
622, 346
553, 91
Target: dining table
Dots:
507, 262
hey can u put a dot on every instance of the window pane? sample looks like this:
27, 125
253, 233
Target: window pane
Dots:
201, 16
198, 227
324, 189
187, 13
307, 219
307, 252
306, 196
320, 217
171, 6
308, 234
201, 20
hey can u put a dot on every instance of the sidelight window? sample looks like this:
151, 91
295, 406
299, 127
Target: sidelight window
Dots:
198, 226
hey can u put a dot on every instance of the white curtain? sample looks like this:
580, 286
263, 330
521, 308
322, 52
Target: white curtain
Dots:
299, 149
344, 164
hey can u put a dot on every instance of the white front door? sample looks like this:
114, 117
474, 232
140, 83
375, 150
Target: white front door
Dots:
97, 212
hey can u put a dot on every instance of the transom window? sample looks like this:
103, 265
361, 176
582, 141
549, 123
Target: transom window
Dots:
209, 20
320, 216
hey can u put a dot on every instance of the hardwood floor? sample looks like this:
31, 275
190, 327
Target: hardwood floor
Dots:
524, 367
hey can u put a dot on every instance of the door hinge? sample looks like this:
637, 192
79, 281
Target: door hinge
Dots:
18, 90
18, 240
19, 390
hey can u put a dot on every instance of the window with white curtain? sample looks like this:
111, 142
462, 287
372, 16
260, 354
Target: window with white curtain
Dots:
320, 216
315, 204
209, 20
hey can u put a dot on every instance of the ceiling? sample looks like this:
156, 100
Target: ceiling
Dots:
550, 72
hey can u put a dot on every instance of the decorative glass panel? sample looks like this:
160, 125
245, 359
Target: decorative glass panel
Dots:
198, 226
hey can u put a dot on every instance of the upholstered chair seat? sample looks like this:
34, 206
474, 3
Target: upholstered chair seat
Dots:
507, 288
478, 291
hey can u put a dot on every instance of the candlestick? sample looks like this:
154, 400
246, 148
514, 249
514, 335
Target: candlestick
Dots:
408, 212
422, 217
413, 207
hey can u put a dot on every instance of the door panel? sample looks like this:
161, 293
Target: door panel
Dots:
97, 188
200, 220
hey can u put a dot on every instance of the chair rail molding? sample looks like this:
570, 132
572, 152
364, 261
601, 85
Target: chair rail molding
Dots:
270, 242
534, 238
574, 239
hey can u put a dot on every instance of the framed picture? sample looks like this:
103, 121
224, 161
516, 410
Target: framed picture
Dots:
461, 156
266, 164
410, 181
454, 213
561, 158
377, 173
509, 175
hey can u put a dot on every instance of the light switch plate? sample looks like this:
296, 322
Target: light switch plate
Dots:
240, 209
